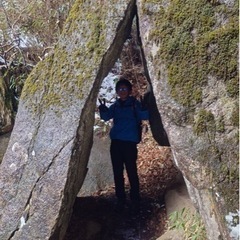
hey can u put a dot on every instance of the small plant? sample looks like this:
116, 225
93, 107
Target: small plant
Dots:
190, 223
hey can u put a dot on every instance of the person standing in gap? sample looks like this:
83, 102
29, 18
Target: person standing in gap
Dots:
127, 113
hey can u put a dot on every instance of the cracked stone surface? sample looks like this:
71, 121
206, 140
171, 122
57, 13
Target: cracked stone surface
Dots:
46, 161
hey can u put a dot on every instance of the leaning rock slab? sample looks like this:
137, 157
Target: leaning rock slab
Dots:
45, 162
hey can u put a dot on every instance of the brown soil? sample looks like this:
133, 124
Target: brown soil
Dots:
94, 218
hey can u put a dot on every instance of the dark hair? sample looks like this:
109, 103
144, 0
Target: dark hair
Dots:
123, 81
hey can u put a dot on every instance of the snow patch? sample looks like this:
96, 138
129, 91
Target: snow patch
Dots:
22, 222
233, 224
107, 89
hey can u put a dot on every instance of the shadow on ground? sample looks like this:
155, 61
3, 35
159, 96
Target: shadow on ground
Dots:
94, 218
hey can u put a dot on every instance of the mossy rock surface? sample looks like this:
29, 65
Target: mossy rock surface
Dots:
70, 70
197, 39
192, 53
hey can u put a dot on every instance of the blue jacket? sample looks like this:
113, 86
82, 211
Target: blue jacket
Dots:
127, 115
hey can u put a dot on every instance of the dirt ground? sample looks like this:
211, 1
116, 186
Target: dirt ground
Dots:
94, 218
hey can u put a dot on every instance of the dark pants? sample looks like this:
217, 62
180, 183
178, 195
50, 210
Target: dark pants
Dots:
124, 153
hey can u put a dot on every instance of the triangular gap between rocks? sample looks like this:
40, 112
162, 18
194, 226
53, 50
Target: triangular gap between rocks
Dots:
134, 67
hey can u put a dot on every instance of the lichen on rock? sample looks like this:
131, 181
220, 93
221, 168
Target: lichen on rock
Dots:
191, 50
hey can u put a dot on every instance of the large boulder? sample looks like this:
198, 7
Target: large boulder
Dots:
46, 159
191, 50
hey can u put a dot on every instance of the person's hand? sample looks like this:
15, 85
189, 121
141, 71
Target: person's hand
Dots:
102, 107
143, 103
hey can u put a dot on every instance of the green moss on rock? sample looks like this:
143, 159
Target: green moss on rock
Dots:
195, 44
204, 123
220, 125
198, 43
72, 65
235, 116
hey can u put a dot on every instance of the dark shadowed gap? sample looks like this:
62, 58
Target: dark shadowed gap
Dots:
155, 120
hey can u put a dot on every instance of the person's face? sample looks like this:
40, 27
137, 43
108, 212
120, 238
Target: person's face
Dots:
123, 92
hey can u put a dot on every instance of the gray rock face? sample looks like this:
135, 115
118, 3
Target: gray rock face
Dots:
199, 118
46, 161
100, 174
